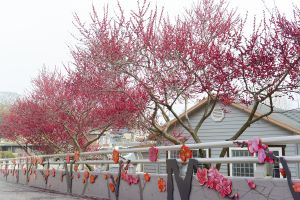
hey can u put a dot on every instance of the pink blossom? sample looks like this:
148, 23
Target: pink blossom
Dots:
213, 172
214, 177
153, 154
261, 155
251, 184
253, 145
210, 183
132, 180
269, 159
202, 176
224, 187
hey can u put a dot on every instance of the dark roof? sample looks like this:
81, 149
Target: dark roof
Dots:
293, 114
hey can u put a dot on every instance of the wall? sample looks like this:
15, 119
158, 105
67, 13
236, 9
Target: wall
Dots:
266, 189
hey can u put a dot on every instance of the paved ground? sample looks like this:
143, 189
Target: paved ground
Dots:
10, 191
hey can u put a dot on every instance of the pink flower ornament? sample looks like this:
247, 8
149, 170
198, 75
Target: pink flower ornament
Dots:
132, 180
214, 177
251, 184
224, 187
269, 159
261, 154
214, 180
253, 145
153, 154
202, 176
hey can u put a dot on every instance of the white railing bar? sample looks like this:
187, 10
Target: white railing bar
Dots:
289, 159
271, 141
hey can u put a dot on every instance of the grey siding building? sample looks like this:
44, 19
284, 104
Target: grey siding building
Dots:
225, 122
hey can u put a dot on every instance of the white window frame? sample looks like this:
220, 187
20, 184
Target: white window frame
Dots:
230, 155
206, 152
279, 149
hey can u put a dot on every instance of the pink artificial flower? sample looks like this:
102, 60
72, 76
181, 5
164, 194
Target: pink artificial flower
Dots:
213, 173
263, 146
269, 159
261, 155
214, 177
251, 184
202, 176
253, 145
210, 183
153, 154
132, 180
224, 187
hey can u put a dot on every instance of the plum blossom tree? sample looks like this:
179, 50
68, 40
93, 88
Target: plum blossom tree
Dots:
134, 70
59, 115
171, 62
202, 54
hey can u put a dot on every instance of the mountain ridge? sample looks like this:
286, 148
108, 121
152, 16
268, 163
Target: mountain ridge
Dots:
8, 98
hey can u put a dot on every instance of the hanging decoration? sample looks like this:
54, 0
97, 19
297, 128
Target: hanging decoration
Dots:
251, 184
161, 184
76, 156
153, 154
86, 175
185, 153
115, 156
112, 187
68, 159
53, 172
93, 179
147, 177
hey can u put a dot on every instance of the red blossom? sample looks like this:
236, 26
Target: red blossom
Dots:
224, 187
115, 156
185, 153
202, 176
282, 172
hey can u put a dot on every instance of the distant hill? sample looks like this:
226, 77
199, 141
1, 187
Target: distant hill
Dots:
8, 98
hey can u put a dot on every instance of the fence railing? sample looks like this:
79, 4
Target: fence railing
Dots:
50, 159
82, 179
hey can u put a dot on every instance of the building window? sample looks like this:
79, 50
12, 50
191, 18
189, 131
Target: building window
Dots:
277, 151
196, 154
241, 169
247, 169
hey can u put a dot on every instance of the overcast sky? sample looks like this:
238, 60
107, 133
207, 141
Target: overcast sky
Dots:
34, 33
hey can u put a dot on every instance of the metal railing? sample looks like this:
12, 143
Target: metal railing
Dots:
83, 155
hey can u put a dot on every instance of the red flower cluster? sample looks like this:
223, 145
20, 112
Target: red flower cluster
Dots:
161, 184
147, 177
115, 156
214, 180
185, 153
